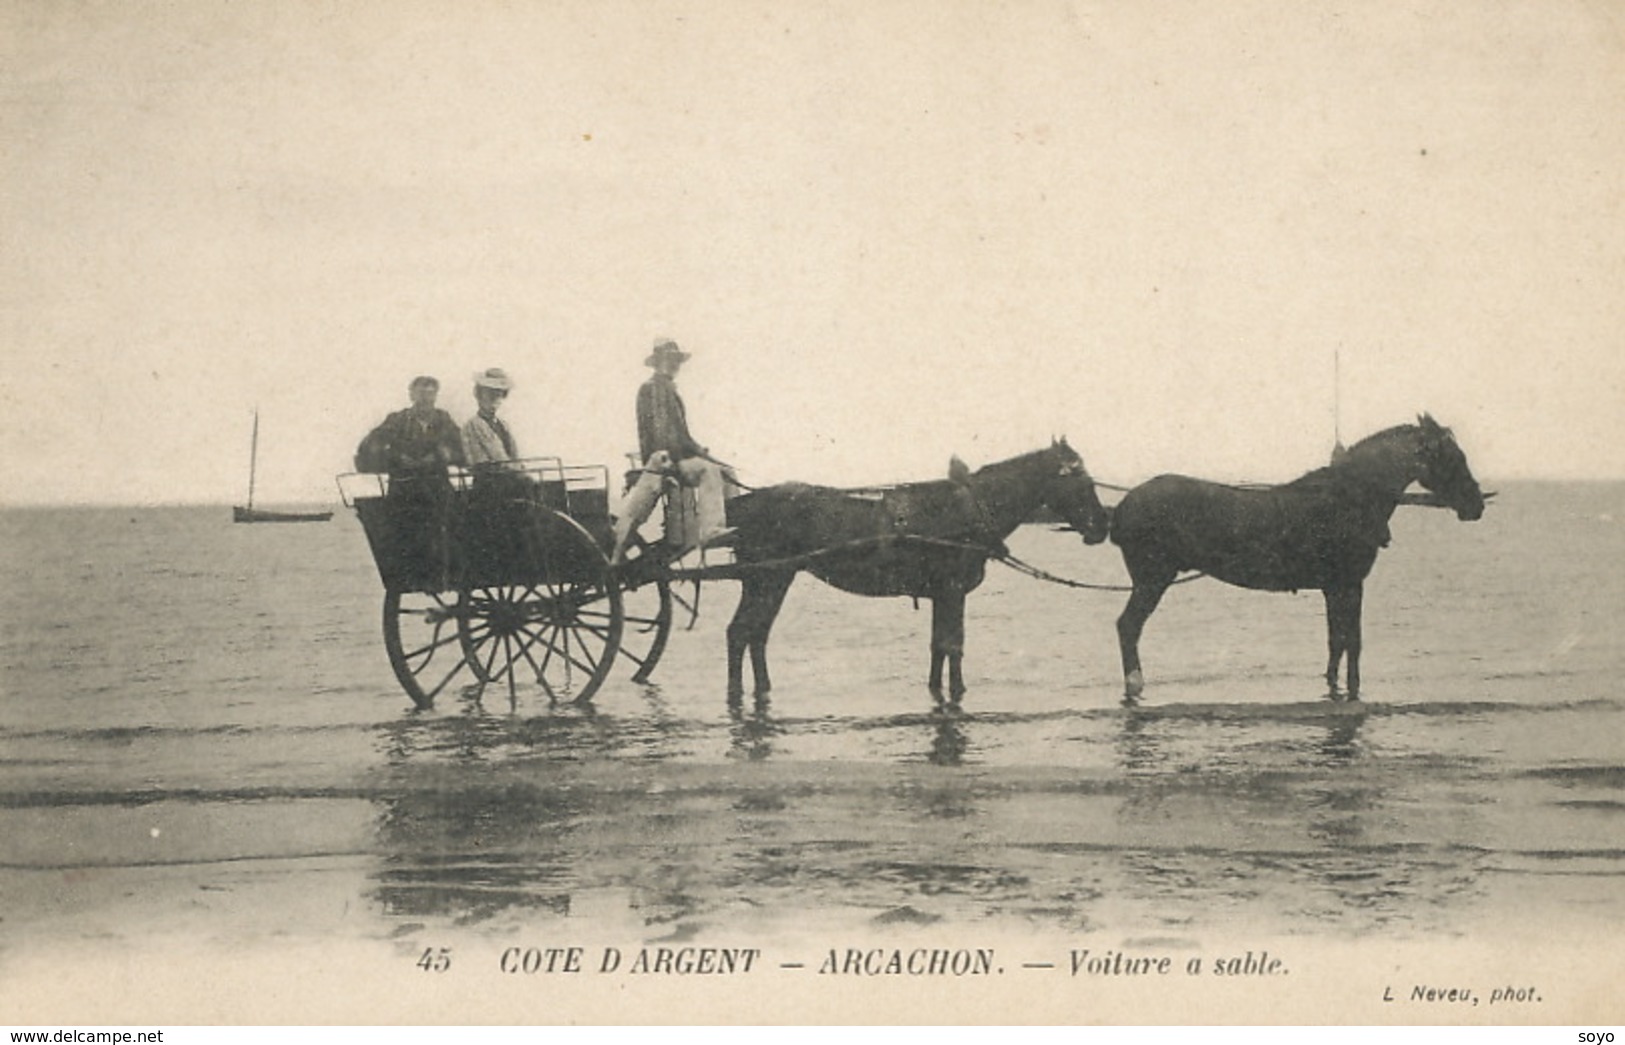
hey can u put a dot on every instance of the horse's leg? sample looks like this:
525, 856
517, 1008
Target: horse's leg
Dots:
1352, 639
738, 635
761, 595
1343, 636
1335, 642
948, 642
756, 603
1141, 603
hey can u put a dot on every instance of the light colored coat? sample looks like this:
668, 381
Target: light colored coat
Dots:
482, 444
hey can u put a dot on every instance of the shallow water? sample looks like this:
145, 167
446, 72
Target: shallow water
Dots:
200, 734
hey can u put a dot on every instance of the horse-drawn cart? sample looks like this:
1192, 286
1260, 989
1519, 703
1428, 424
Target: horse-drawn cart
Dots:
495, 578
490, 575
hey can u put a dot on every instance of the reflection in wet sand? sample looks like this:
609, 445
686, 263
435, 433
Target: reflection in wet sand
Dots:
469, 855
1341, 743
948, 740
752, 731
1326, 835
1283, 819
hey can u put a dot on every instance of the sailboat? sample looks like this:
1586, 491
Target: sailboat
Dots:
250, 514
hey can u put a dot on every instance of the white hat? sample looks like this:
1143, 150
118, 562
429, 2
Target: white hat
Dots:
495, 377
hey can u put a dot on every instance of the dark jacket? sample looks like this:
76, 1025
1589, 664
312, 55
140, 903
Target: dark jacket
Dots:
662, 422
404, 445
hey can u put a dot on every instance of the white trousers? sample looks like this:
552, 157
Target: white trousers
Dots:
696, 506
702, 504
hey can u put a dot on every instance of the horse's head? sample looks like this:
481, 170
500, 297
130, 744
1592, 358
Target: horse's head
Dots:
1443, 470
1070, 493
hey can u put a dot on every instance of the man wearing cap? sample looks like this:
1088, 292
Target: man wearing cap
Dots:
663, 425
486, 439
419, 442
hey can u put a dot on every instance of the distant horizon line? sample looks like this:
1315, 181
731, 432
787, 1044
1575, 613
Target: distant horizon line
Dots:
295, 503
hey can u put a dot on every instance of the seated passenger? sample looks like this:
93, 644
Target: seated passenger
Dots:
486, 440
417, 443
416, 447
493, 455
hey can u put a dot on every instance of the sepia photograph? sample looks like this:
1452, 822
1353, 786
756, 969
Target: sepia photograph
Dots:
1054, 512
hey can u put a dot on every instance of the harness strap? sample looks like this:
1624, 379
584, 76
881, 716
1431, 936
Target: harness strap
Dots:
732, 571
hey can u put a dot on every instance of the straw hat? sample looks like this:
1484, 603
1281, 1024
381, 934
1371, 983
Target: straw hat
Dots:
495, 377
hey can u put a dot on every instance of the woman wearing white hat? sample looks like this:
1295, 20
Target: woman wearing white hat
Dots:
486, 440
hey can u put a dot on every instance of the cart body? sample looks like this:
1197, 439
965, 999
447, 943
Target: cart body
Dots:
497, 576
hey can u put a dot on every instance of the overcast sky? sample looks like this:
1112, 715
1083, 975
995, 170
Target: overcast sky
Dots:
889, 232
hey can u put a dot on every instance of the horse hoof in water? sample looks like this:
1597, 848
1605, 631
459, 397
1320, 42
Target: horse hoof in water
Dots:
1133, 685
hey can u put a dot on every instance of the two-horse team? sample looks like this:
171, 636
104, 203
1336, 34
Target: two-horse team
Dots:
932, 540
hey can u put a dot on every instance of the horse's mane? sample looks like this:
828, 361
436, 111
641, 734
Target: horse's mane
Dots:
1385, 435
1351, 461
1020, 459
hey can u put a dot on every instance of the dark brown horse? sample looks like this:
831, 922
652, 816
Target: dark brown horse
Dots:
928, 540
1322, 531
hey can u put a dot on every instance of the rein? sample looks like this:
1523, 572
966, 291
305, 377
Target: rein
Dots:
1044, 575
1004, 556
733, 571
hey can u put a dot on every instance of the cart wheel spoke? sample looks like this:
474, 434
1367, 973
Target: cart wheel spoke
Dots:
534, 636
547, 658
435, 692
584, 629
526, 647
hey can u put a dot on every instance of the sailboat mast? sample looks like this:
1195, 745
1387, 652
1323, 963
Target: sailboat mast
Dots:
253, 456
1337, 394
1337, 402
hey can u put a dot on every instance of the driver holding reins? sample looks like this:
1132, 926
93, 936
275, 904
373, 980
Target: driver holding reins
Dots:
667, 448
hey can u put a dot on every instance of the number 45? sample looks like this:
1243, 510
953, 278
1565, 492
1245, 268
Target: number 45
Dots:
435, 959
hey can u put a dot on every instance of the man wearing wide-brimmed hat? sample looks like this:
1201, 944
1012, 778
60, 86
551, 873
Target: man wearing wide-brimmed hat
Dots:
663, 427
662, 421
486, 439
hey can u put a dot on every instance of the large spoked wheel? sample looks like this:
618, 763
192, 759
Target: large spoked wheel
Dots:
424, 641
563, 629
648, 625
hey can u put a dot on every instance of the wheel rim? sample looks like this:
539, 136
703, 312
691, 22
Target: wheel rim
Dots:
422, 634
648, 625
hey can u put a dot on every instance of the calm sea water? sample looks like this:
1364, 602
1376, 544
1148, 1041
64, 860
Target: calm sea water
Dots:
199, 729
